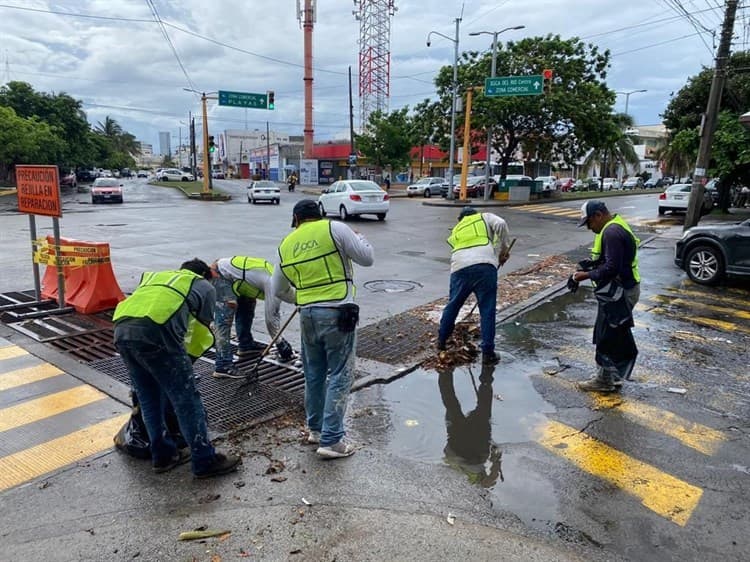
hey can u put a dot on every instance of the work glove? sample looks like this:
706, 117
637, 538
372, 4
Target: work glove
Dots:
586, 265
286, 353
572, 284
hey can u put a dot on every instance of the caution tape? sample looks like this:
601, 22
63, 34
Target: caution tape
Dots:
44, 258
42, 243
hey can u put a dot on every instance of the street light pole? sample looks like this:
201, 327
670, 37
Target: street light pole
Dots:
207, 180
627, 97
493, 70
454, 90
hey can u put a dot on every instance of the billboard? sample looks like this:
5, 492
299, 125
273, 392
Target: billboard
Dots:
308, 172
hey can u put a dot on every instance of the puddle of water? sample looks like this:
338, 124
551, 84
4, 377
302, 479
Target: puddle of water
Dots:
465, 417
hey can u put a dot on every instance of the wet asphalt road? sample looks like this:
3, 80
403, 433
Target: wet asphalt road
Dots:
644, 475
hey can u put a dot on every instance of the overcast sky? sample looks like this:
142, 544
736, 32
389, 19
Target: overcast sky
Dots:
114, 57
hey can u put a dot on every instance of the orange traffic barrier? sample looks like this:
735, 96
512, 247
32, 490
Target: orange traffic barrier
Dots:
90, 284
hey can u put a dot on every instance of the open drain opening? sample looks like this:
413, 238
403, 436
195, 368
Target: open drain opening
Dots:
391, 286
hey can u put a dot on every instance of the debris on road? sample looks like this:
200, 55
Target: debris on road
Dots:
451, 519
675, 390
203, 534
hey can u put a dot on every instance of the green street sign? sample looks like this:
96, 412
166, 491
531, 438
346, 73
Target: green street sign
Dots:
243, 99
504, 86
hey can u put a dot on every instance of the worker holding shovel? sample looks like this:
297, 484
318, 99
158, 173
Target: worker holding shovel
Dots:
480, 243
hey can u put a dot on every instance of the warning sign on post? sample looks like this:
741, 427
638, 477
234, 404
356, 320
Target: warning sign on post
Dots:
38, 190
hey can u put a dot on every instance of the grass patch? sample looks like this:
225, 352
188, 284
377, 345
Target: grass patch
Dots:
193, 189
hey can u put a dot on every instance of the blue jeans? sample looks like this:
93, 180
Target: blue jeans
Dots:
480, 279
243, 314
159, 373
328, 361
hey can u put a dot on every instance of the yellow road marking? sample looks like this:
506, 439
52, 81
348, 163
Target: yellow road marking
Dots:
662, 493
734, 302
48, 406
737, 313
36, 461
720, 325
696, 436
19, 377
10, 351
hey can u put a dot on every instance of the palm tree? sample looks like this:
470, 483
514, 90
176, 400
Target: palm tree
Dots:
110, 128
677, 154
616, 148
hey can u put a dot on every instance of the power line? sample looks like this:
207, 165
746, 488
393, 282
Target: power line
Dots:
155, 13
655, 44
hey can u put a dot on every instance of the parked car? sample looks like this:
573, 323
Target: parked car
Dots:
143, 173
677, 197
263, 190
425, 187
106, 174
86, 175
549, 183
68, 180
516, 177
173, 174
218, 175
586, 184
712, 188
566, 184
709, 253
126, 173
610, 184
474, 187
636, 182
106, 189
652, 183
354, 197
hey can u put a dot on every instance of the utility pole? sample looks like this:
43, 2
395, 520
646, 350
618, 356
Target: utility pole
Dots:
268, 153
352, 154
708, 126
193, 153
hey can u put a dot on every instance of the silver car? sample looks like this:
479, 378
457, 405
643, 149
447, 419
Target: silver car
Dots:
425, 186
263, 190
349, 198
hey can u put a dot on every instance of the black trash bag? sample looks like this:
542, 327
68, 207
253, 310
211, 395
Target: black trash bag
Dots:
133, 439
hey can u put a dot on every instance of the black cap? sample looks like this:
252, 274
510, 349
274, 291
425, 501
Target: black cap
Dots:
466, 211
590, 208
305, 209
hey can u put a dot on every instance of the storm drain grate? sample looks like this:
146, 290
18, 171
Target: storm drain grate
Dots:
19, 303
228, 402
396, 339
87, 347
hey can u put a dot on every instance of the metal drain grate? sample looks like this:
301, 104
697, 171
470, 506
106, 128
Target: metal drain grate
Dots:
87, 347
396, 339
19, 303
227, 402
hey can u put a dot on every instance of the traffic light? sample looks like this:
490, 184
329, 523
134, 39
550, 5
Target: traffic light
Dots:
270, 96
211, 145
547, 75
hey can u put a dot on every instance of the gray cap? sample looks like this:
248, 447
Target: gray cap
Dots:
466, 211
590, 208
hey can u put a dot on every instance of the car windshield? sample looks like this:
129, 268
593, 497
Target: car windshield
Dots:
104, 182
679, 187
264, 183
364, 186
423, 181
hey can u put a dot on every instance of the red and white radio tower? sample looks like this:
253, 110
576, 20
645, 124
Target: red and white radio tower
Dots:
374, 55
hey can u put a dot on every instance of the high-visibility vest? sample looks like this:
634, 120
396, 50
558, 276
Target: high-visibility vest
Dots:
158, 297
470, 231
596, 250
313, 264
241, 287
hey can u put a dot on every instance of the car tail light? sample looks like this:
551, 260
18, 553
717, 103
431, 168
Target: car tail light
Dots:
354, 197
663, 196
386, 197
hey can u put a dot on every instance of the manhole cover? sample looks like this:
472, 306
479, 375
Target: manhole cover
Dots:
391, 286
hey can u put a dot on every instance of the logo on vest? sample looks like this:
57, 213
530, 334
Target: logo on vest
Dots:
306, 246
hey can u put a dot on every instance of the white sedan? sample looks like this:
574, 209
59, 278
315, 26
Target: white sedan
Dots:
349, 198
263, 190
677, 197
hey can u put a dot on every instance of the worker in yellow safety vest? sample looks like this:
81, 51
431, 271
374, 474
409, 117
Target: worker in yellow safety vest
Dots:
316, 273
158, 329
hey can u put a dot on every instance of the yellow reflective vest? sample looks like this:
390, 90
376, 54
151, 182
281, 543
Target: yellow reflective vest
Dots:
471, 231
313, 264
596, 250
241, 287
158, 297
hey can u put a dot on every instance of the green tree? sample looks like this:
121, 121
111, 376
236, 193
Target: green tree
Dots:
614, 149
562, 125
25, 141
387, 140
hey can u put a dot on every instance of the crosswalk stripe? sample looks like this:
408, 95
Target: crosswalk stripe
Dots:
48, 406
27, 375
735, 303
11, 351
721, 325
660, 492
46, 457
742, 314
694, 435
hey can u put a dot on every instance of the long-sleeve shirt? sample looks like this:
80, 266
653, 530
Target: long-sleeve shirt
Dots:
618, 251
499, 234
352, 246
260, 279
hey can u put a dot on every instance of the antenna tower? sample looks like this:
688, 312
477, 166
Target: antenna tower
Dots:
374, 18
